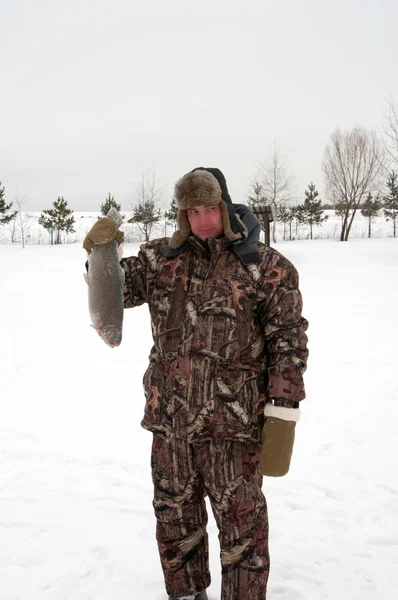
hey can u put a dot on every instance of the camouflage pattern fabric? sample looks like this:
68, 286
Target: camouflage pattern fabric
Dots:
227, 337
227, 471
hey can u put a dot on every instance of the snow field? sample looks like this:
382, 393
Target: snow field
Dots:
76, 520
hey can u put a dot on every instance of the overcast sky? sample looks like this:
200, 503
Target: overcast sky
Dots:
89, 88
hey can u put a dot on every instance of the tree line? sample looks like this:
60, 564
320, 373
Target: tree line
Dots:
360, 174
60, 220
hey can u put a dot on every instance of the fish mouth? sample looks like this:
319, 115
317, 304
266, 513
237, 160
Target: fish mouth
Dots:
111, 335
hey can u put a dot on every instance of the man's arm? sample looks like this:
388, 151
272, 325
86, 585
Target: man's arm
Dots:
140, 274
135, 283
284, 327
284, 331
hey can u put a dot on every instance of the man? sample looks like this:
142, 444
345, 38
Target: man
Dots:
223, 384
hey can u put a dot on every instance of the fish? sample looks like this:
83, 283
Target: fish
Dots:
105, 280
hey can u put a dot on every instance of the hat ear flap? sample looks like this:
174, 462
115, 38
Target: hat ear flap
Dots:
183, 231
227, 225
183, 223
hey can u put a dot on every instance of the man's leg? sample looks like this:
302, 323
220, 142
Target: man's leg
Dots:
181, 517
233, 483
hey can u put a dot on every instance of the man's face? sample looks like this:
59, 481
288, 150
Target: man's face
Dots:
206, 221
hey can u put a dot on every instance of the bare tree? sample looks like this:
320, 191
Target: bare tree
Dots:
352, 165
20, 226
390, 130
340, 209
276, 180
147, 197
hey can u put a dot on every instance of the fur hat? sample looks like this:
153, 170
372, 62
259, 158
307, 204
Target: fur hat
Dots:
205, 186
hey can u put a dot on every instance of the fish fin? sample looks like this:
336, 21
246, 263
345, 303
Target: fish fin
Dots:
120, 251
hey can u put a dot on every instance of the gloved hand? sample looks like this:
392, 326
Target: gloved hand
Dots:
102, 232
277, 440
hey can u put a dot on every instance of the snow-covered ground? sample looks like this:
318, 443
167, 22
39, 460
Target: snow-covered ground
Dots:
76, 519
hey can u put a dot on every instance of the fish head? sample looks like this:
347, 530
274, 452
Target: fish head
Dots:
111, 335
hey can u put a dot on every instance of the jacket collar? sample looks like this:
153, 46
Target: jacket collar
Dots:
210, 245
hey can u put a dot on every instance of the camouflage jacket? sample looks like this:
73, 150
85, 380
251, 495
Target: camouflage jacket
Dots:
227, 338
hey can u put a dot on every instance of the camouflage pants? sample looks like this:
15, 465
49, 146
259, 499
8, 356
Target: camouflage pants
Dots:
227, 471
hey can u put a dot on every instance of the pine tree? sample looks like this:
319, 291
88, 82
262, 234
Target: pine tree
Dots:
286, 214
172, 214
146, 215
311, 211
391, 200
4, 219
370, 209
108, 204
60, 218
258, 198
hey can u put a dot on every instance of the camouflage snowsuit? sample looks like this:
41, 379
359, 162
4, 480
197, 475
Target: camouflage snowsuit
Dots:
227, 337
